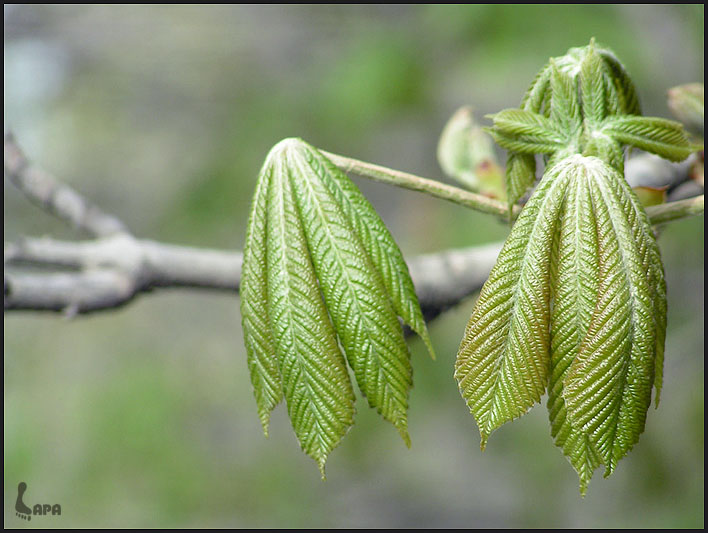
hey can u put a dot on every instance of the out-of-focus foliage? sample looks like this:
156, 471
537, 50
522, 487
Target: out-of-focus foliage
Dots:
466, 153
163, 115
686, 103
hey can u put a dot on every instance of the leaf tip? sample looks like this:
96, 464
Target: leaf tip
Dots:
429, 345
405, 436
265, 423
483, 440
321, 466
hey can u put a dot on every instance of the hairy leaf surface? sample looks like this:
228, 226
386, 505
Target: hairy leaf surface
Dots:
525, 145
603, 332
592, 86
530, 125
663, 137
643, 234
519, 177
565, 108
624, 90
521, 168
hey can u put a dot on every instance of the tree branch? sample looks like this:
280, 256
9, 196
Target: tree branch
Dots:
59, 199
111, 270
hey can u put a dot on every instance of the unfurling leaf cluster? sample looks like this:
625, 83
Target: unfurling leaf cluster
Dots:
582, 102
323, 285
576, 303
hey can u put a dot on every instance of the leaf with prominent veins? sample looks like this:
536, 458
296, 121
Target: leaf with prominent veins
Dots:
322, 274
527, 124
574, 282
524, 145
659, 136
260, 348
377, 242
644, 236
607, 389
565, 108
356, 299
502, 364
521, 168
607, 291
519, 177
315, 380
624, 90
592, 86
535, 94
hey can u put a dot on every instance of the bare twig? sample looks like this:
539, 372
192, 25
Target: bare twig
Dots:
110, 272
42, 188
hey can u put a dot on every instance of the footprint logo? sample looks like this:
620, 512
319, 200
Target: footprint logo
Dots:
21, 509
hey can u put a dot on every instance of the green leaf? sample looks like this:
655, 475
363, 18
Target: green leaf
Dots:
623, 85
527, 124
607, 388
592, 85
574, 281
583, 299
323, 275
606, 148
565, 108
356, 299
260, 348
665, 138
502, 364
454, 154
521, 168
315, 380
535, 94
520, 176
654, 268
686, 104
378, 243
524, 145
466, 154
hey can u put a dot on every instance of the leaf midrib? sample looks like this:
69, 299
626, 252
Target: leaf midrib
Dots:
304, 375
504, 358
352, 294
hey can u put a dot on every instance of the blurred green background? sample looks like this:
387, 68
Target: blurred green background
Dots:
144, 417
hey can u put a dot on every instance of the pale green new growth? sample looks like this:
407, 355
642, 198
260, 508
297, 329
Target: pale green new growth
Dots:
502, 363
575, 306
314, 375
322, 271
262, 362
576, 303
605, 89
574, 287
